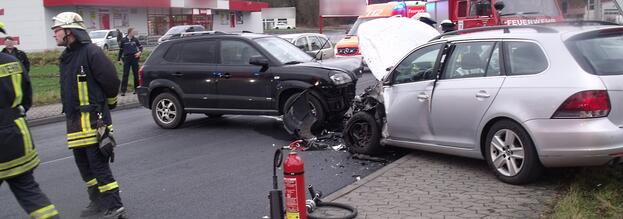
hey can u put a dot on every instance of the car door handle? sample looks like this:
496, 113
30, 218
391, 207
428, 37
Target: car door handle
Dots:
226, 76
482, 94
178, 74
422, 97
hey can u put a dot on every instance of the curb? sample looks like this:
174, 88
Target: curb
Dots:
61, 117
346, 190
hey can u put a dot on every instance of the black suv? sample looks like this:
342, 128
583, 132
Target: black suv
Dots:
245, 74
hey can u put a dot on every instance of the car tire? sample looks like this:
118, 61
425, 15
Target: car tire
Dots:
289, 28
320, 116
509, 145
276, 28
105, 47
213, 115
362, 134
167, 111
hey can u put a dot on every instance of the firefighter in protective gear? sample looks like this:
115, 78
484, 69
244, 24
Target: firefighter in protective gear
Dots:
89, 87
18, 157
447, 26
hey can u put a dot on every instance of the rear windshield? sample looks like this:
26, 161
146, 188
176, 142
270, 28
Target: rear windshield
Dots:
180, 29
599, 55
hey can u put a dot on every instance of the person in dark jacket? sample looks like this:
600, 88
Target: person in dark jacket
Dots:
130, 51
447, 26
18, 157
89, 87
119, 37
19, 54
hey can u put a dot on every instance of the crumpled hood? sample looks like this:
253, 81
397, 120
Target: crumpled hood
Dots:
350, 64
383, 42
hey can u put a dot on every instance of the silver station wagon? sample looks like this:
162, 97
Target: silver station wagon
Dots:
522, 98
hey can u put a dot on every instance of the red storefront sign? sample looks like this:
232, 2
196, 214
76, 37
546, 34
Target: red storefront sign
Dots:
116, 3
236, 5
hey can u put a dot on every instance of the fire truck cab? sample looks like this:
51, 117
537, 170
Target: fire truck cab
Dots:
480, 13
349, 46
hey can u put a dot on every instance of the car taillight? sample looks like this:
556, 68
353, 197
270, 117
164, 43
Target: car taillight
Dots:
584, 105
140, 77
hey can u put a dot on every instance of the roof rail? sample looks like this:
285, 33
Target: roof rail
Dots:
539, 29
201, 33
579, 23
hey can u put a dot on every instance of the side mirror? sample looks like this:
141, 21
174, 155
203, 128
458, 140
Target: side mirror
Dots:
499, 5
259, 60
108, 37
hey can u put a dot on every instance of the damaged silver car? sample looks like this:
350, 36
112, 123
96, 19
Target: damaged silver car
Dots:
522, 98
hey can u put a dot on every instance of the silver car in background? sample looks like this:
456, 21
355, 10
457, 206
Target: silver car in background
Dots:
313, 44
522, 98
105, 39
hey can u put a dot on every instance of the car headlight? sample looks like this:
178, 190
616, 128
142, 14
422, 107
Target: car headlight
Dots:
340, 78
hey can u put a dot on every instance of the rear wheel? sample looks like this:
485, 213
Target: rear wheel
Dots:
105, 47
362, 134
511, 154
167, 111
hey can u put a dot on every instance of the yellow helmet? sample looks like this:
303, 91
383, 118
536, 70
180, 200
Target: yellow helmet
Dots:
68, 20
2, 28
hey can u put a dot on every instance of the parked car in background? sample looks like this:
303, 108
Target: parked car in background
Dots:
283, 26
248, 74
313, 44
522, 98
176, 31
106, 39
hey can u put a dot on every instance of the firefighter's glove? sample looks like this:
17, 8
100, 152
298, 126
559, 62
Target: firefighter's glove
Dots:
111, 102
106, 141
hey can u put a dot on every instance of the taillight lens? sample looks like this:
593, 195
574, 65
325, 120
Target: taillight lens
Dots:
140, 77
584, 105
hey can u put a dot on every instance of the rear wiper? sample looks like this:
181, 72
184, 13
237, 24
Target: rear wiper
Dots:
521, 13
292, 62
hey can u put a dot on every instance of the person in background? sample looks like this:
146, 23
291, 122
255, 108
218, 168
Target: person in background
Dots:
19, 54
130, 52
119, 36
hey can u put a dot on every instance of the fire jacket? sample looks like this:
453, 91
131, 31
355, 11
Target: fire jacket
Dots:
19, 54
17, 152
89, 87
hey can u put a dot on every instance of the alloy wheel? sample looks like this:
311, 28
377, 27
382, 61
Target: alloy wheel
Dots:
507, 152
165, 110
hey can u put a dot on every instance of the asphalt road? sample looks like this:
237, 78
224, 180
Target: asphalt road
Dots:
209, 168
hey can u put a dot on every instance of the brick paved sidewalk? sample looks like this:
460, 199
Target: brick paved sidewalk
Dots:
39, 113
427, 185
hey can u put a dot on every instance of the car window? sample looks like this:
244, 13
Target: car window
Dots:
462, 9
199, 52
479, 8
494, 67
325, 42
235, 52
524, 58
173, 53
301, 43
418, 66
602, 54
468, 60
316, 43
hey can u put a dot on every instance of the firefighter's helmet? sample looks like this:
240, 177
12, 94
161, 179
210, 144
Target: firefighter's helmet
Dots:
68, 20
2, 28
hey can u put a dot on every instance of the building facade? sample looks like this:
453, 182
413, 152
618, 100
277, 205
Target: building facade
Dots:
30, 20
275, 17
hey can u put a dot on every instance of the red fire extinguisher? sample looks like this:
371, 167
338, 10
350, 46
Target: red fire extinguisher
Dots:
294, 183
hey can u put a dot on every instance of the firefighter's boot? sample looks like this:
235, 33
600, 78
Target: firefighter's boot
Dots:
117, 213
91, 210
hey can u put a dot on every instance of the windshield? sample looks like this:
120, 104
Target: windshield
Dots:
97, 34
354, 30
284, 51
603, 54
530, 8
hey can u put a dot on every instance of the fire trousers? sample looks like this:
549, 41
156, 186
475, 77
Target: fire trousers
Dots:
102, 187
30, 196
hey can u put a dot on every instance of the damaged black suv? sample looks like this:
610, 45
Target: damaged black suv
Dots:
244, 74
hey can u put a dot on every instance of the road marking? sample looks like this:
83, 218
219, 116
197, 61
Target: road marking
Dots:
52, 161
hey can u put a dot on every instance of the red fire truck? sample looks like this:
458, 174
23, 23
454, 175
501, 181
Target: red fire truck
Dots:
479, 13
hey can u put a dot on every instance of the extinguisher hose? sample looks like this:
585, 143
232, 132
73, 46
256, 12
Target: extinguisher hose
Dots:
353, 210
